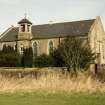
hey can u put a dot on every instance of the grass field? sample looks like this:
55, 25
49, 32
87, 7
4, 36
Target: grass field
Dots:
49, 98
52, 89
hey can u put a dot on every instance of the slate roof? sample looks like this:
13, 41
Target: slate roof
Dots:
11, 35
24, 21
77, 28
62, 29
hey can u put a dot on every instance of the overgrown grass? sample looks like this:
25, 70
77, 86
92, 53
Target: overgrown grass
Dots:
52, 82
50, 98
53, 88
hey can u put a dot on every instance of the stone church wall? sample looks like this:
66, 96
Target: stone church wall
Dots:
24, 43
96, 39
43, 45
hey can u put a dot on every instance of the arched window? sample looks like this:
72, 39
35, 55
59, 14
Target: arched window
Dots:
50, 47
35, 49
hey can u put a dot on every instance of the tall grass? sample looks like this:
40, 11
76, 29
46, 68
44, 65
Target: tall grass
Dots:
52, 82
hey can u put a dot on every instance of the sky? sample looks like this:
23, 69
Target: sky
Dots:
43, 11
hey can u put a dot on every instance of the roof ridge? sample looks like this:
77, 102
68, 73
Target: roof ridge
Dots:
65, 22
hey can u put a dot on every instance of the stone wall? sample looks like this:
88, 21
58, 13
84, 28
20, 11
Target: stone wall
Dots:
96, 40
24, 36
43, 45
24, 43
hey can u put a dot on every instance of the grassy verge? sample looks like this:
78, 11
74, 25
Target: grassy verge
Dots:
49, 98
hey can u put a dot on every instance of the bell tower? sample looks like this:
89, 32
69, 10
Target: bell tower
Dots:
24, 29
24, 34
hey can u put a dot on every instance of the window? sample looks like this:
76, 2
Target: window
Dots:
35, 49
21, 50
28, 28
50, 47
23, 28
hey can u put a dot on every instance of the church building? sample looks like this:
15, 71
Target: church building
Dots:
42, 38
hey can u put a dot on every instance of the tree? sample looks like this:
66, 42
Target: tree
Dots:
58, 61
75, 54
27, 58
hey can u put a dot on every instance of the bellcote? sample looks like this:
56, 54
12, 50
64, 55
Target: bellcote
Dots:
25, 26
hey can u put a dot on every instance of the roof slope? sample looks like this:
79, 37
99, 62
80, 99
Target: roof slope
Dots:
75, 28
10, 35
62, 29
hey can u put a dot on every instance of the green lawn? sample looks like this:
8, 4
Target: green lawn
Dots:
45, 98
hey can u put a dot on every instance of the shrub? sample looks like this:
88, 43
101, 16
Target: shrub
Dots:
58, 61
9, 57
9, 60
44, 61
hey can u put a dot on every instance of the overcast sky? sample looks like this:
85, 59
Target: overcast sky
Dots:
43, 11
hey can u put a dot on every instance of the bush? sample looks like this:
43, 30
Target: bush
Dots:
58, 61
9, 60
9, 57
44, 61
